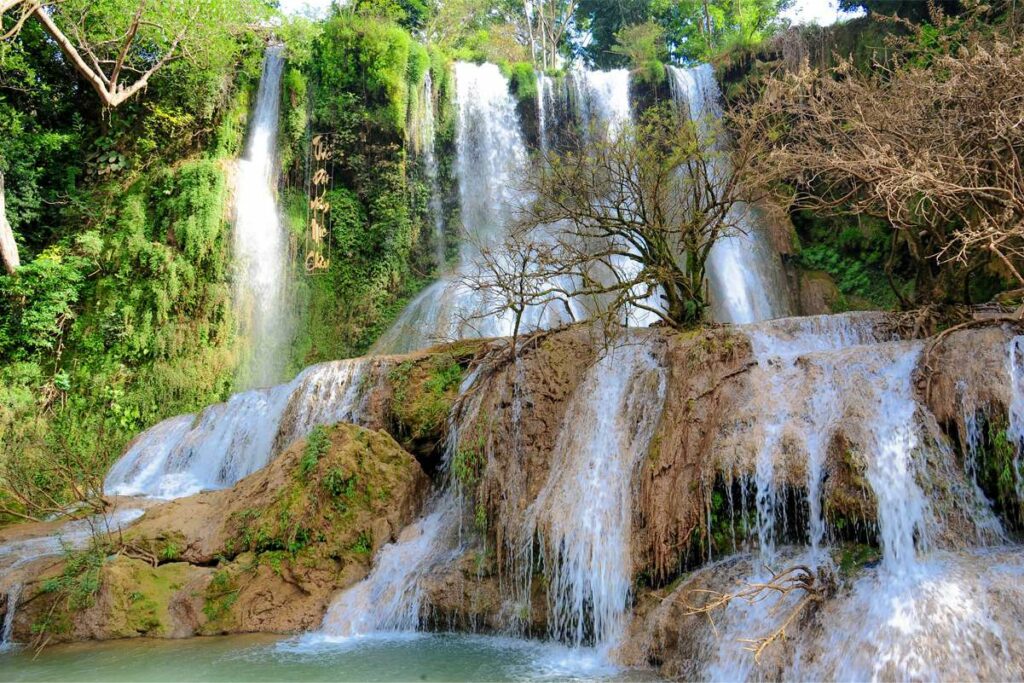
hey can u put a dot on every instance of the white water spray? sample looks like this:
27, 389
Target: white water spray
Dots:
744, 273
583, 515
260, 242
228, 441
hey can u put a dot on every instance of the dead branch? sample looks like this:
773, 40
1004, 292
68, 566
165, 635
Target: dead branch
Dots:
816, 587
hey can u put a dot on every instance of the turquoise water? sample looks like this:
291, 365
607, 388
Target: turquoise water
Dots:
401, 657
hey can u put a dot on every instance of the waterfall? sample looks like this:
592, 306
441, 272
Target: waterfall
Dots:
744, 272
1015, 419
423, 133
260, 243
391, 597
602, 98
228, 441
545, 97
490, 160
583, 514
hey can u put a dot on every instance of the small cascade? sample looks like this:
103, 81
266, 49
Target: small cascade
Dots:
602, 99
423, 133
15, 555
391, 597
75, 534
582, 516
545, 105
828, 379
810, 403
228, 441
1015, 420
13, 595
260, 243
744, 273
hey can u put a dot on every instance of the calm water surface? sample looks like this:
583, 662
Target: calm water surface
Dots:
402, 657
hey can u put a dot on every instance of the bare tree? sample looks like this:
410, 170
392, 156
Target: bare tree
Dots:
545, 25
932, 144
638, 213
520, 276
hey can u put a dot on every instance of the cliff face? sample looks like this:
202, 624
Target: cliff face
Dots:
269, 553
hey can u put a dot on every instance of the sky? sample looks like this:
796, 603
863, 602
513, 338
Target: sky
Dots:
822, 12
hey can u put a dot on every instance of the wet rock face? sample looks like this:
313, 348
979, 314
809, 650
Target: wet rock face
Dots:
265, 555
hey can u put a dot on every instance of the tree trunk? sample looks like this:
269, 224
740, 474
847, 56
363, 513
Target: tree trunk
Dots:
8, 247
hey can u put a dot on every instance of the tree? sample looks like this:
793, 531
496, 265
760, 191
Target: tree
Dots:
522, 277
932, 144
117, 45
634, 217
546, 24
699, 29
8, 247
644, 46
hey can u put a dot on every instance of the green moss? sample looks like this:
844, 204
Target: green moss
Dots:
330, 500
221, 595
854, 556
424, 391
363, 544
317, 444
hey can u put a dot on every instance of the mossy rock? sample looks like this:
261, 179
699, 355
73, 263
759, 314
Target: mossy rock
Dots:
424, 389
339, 480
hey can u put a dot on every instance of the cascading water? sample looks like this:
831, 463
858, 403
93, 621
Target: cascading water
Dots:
228, 441
491, 157
260, 242
744, 273
423, 134
1015, 420
583, 515
831, 376
602, 98
391, 597
16, 555
13, 595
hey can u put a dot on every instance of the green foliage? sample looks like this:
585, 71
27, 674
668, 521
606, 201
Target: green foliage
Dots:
120, 315
317, 444
363, 544
357, 55
360, 77
644, 46
221, 595
698, 31
468, 463
522, 80
38, 303
170, 552
854, 255
79, 580
424, 392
